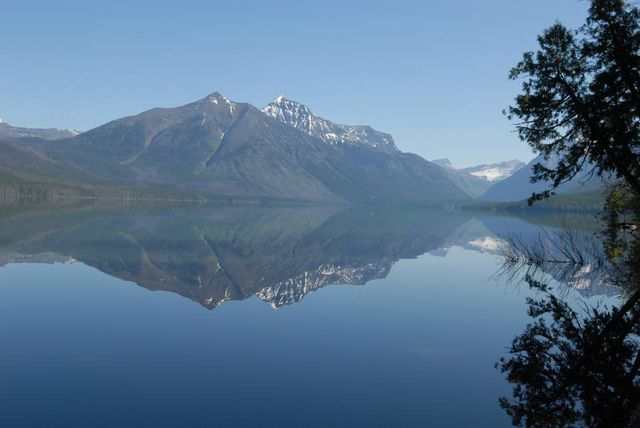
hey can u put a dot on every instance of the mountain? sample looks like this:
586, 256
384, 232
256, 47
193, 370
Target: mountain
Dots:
519, 186
8, 131
299, 116
218, 147
471, 185
475, 181
496, 171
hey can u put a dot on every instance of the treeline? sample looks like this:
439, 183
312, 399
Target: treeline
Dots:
30, 193
574, 202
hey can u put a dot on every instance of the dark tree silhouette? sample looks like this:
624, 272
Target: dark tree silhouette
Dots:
580, 104
580, 97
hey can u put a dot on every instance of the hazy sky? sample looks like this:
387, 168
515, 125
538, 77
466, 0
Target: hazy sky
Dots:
431, 73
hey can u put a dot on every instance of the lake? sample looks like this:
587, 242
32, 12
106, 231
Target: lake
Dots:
258, 316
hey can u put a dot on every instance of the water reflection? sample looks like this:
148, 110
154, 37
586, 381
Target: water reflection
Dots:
280, 254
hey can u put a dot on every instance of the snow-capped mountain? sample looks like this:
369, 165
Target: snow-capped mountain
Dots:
476, 180
518, 186
300, 117
494, 172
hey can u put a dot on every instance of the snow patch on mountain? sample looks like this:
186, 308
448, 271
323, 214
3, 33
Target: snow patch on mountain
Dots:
494, 172
489, 172
9, 131
217, 99
300, 117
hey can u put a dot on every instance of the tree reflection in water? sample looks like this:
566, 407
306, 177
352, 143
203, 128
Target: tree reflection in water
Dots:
575, 365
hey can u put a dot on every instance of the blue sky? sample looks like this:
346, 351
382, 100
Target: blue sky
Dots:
431, 73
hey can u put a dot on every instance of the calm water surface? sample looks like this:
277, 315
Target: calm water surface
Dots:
241, 316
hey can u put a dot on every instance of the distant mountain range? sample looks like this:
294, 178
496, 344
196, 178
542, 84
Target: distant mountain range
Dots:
496, 171
476, 180
8, 131
518, 186
511, 180
218, 147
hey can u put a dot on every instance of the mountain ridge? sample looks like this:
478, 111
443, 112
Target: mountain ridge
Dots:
519, 186
476, 180
299, 116
10, 131
219, 147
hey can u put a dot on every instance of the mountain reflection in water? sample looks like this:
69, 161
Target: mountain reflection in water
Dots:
214, 254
